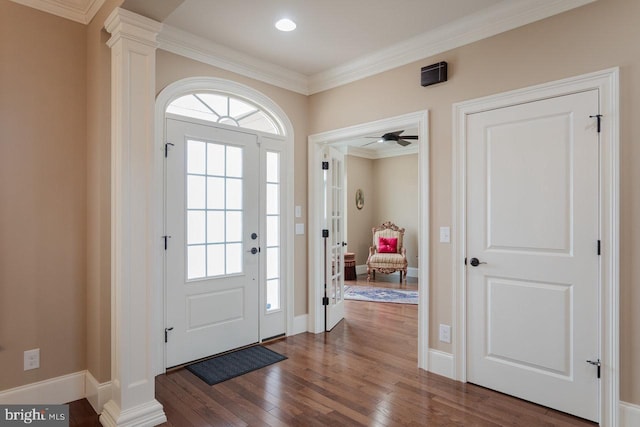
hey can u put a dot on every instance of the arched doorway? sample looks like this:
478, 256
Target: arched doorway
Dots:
227, 219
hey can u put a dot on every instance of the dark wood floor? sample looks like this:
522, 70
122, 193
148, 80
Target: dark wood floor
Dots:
364, 372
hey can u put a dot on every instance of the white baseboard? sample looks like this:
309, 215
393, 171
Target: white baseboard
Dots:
411, 271
59, 390
97, 393
441, 363
629, 414
147, 414
300, 324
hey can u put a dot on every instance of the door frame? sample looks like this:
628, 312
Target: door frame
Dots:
607, 83
317, 142
158, 299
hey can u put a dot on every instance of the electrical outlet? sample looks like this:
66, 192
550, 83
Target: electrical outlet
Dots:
445, 333
32, 359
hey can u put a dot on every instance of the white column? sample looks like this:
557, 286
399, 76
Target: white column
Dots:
133, 46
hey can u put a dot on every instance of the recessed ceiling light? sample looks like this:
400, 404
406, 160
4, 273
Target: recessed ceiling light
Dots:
286, 24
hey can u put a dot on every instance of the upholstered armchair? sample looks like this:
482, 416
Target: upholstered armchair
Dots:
387, 255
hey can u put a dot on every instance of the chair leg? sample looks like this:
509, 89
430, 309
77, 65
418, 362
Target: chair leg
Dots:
368, 274
401, 277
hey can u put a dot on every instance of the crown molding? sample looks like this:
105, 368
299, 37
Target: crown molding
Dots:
381, 154
81, 11
495, 20
194, 47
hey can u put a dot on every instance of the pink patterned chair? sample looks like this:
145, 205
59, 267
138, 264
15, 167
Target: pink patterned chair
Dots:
387, 255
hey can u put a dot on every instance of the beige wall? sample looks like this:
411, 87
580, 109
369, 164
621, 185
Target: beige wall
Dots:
171, 68
99, 195
360, 221
390, 188
594, 37
396, 198
43, 194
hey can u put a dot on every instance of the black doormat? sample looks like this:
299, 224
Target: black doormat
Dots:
230, 365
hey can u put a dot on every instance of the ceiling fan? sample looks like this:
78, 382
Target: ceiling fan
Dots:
393, 137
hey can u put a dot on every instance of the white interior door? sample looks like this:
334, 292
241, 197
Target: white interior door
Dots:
212, 269
334, 222
532, 223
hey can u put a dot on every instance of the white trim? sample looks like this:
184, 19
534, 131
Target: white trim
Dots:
382, 154
55, 391
66, 9
300, 324
98, 394
441, 363
629, 414
146, 414
502, 17
317, 143
607, 83
197, 48
164, 98
135, 238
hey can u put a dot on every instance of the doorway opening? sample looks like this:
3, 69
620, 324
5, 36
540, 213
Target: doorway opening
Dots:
319, 145
228, 226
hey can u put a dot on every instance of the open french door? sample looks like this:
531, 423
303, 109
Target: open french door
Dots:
334, 220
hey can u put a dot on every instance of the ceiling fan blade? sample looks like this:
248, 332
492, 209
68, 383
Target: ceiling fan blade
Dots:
403, 142
392, 136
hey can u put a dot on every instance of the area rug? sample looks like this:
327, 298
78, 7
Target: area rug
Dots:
370, 293
236, 363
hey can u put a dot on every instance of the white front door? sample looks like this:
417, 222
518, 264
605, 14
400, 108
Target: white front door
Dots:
212, 221
334, 222
532, 224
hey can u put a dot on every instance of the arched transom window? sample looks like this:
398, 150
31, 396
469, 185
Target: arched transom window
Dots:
225, 109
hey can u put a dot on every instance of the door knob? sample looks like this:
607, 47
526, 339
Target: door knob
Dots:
476, 262
254, 251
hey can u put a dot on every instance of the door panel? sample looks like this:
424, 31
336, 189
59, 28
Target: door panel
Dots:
212, 274
532, 217
334, 197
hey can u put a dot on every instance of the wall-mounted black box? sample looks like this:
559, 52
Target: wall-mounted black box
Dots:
434, 73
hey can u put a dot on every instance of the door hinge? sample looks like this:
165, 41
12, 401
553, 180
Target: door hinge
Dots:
325, 166
166, 239
597, 364
166, 148
325, 233
325, 300
166, 333
599, 247
599, 117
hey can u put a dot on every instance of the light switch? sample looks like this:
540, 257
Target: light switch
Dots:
300, 228
445, 235
298, 211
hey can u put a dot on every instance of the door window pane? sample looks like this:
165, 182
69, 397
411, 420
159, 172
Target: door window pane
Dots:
215, 260
214, 209
273, 230
215, 227
273, 294
195, 227
196, 266
234, 162
234, 226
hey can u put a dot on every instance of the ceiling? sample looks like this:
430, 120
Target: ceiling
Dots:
336, 42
